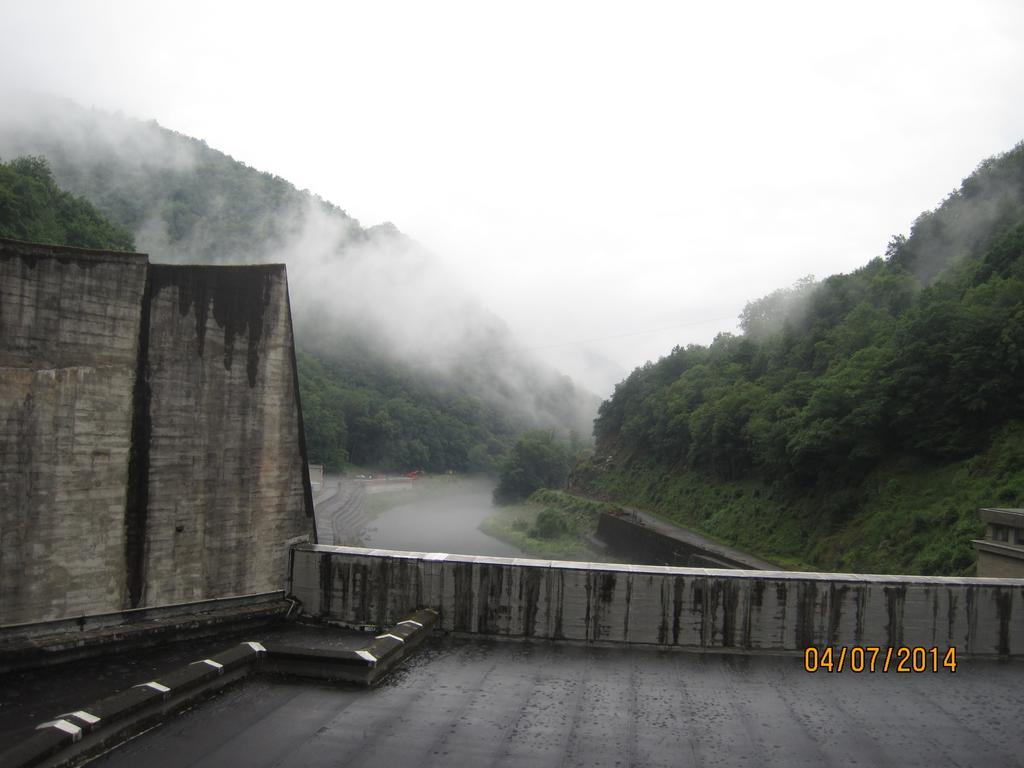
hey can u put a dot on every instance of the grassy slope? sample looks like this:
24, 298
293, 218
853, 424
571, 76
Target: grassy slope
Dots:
906, 517
514, 524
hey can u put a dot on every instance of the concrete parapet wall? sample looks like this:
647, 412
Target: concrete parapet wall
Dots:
661, 605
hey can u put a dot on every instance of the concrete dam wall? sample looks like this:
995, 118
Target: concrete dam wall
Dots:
151, 446
69, 334
227, 476
661, 605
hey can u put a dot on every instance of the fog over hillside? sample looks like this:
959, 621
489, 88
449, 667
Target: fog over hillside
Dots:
610, 182
371, 287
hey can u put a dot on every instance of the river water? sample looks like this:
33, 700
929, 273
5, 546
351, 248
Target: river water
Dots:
440, 517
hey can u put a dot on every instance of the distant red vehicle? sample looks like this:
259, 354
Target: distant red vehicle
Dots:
413, 475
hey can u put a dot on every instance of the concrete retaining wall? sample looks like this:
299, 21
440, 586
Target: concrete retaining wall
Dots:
661, 605
634, 542
48, 643
151, 446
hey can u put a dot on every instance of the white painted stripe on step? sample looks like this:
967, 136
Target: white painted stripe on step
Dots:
367, 655
81, 714
411, 621
258, 647
154, 685
63, 725
388, 634
210, 662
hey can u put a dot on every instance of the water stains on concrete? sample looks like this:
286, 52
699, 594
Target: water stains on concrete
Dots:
236, 298
140, 473
661, 605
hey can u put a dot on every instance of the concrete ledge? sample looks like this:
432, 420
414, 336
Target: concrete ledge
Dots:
23, 249
1013, 518
55, 642
70, 738
665, 606
999, 548
363, 666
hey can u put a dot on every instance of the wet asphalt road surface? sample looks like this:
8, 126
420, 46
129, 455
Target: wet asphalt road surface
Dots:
486, 703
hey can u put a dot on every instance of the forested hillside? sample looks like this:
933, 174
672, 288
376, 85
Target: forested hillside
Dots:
856, 423
365, 408
34, 208
401, 368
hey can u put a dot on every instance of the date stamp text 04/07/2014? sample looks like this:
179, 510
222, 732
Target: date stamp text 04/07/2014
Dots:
876, 658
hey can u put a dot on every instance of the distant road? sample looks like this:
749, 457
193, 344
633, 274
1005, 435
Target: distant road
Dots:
338, 506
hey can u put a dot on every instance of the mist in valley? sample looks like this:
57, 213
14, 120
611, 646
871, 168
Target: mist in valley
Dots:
369, 288
440, 518
433, 514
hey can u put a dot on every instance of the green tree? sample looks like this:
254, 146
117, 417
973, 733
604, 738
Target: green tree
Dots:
537, 460
34, 208
550, 524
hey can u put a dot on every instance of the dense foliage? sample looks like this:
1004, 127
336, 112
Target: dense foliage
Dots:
368, 411
917, 355
551, 525
34, 208
537, 460
183, 200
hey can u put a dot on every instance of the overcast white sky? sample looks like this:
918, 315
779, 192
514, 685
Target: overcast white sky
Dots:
591, 169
